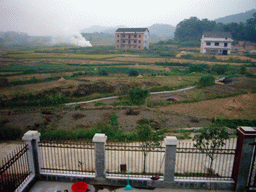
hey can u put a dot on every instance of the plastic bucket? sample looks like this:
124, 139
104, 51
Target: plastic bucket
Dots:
79, 187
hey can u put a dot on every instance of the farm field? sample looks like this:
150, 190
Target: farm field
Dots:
35, 81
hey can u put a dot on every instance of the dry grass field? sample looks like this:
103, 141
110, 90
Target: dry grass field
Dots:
156, 74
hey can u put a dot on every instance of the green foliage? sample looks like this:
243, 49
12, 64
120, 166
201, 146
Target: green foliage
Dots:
30, 100
192, 29
209, 139
138, 96
103, 72
206, 81
113, 121
133, 72
9, 133
99, 104
149, 140
4, 82
234, 123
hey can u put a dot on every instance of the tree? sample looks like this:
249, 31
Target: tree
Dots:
209, 140
149, 140
133, 72
103, 72
193, 28
206, 81
138, 96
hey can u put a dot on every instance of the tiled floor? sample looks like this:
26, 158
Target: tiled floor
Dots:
46, 186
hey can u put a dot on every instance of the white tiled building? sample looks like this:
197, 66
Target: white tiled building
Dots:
216, 43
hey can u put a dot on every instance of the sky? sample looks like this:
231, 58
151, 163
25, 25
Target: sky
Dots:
55, 17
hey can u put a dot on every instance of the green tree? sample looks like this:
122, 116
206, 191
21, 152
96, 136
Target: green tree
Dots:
133, 72
138, 96
103, 72
149, 140
192, 29
206, 81
209, 140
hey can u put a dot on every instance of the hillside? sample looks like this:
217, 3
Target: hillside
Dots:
237, 18
102, 35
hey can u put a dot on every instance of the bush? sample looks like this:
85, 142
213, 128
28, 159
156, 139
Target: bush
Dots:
103, 72
206, 81
234, 123
10, 133
138, 96
133, 72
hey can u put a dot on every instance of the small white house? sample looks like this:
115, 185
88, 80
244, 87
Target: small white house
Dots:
216, 43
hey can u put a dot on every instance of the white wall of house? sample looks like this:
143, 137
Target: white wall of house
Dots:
216, 45
146, 40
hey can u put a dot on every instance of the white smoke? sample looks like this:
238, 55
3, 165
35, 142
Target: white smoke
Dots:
74, 38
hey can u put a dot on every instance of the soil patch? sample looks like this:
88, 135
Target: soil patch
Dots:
89, 116
238, 107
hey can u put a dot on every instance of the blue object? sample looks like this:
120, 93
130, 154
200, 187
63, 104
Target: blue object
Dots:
128, 186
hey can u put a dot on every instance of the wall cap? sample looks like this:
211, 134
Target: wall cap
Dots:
247, 131
30, 135
99, 138
171, 140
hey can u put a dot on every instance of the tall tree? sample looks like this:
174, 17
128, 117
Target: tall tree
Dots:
193, 28
209, 140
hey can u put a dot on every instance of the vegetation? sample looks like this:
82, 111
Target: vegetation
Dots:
191, 29
138, 96
206, 81
209, 140
149, 140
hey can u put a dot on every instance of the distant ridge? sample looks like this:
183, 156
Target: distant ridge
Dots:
236, 18
157, 32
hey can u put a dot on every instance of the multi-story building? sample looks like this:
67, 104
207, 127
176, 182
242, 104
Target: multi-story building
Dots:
132, 38
216, 43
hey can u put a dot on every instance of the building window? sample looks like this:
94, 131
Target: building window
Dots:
135, 36
139, 47
123, 35
225, 44
129, 36
139, 41
217, 44
135, 41
117, 35
123, 41
117, 41
208, 43
129, 42
117, 46
139, 35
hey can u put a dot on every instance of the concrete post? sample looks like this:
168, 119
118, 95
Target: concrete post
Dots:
243, 157
31, 138
100, 160
170, 157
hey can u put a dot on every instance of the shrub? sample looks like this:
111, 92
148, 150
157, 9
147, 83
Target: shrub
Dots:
4, 82
10, 133
133, 72
103, 72
206, 81
138, 96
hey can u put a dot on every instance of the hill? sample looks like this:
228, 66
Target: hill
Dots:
102, 35
236, 18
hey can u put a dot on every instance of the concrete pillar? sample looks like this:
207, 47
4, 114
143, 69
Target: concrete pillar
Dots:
170, 157
100, 154
31, 138
243, 157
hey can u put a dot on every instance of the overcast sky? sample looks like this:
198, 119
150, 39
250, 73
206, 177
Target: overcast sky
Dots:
52, 17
